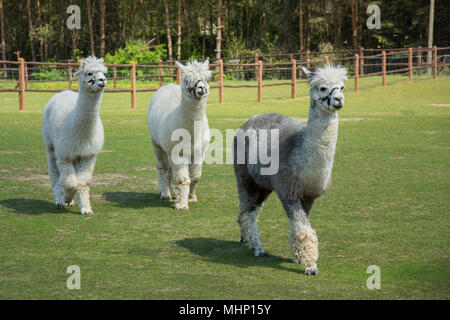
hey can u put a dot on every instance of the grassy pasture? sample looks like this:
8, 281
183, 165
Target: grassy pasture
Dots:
388, 206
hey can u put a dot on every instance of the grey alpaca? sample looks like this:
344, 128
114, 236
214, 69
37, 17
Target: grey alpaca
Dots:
306, 155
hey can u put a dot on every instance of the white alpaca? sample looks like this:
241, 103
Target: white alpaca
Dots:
73, 135
305, 165
181, 107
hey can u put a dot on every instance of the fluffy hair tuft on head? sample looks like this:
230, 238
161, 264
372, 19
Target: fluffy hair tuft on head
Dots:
329, 73
194, 71
92, 64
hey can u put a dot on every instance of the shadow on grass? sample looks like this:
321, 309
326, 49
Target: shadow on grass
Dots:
31, 206
234, 253
136, 200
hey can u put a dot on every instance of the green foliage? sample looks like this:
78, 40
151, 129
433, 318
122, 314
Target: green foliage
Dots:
392, 157
137, 51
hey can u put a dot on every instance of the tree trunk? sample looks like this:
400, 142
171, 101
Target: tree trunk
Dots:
430, 34
308, 32
2, 27
143, 18
179, 29
30, 26
41, 39
102, 28
354, 23
300, 26
169, 38
219, 29
91, 31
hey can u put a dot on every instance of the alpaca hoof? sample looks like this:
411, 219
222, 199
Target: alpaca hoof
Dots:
295, 261
243, 240
180, 206
193, 198
59, 204
166, 197
260, 253
69, 203
312, 271
86, 211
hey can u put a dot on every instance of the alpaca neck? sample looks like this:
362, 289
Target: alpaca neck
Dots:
86, 111
192, 111
321, 136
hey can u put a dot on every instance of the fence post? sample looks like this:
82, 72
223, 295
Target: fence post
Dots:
326, 60
356, 72
256, 67
383, 68
361, 61
434, 62
220, 81
294, 79
133, 84
21, 84
115, 75
308, 59
26, 76
419, 60
178, 76
410, 64
70, 77
160, 73
260, 78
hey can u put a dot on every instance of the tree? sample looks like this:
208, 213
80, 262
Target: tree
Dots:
31, 32
169, 38
354, 9
219, 29
91, 31
102, 28
2, 27
300, 26
430, 33
179, 29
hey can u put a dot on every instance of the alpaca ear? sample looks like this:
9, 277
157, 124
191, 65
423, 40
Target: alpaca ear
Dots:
206, 63
308, 73
78, 73
180, 66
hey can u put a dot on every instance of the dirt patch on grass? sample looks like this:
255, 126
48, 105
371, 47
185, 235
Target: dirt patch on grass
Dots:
108, 150
441, 105
106, 179
38, 179
11, 152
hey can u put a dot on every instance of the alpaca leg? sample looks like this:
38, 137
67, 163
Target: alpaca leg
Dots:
303, 240
53, 171
182, 181
163, 167
251, 198
195, 172
66, 184
84, 171
249, 231
83, 200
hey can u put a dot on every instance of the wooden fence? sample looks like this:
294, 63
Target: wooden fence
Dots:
358, 62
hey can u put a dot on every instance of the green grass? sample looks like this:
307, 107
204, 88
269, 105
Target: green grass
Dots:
388, 206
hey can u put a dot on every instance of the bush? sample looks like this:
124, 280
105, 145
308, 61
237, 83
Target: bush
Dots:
137, 51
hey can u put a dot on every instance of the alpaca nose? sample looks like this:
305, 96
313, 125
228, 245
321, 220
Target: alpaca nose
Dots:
339, 103
102, 81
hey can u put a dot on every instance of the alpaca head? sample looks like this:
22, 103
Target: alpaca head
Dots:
327, 86
194, 79
92, 74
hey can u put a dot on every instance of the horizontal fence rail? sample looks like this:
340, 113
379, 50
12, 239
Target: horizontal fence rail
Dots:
258, 71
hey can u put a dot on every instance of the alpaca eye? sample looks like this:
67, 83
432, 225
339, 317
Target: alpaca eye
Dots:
89, 74
323, 89
342, 88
